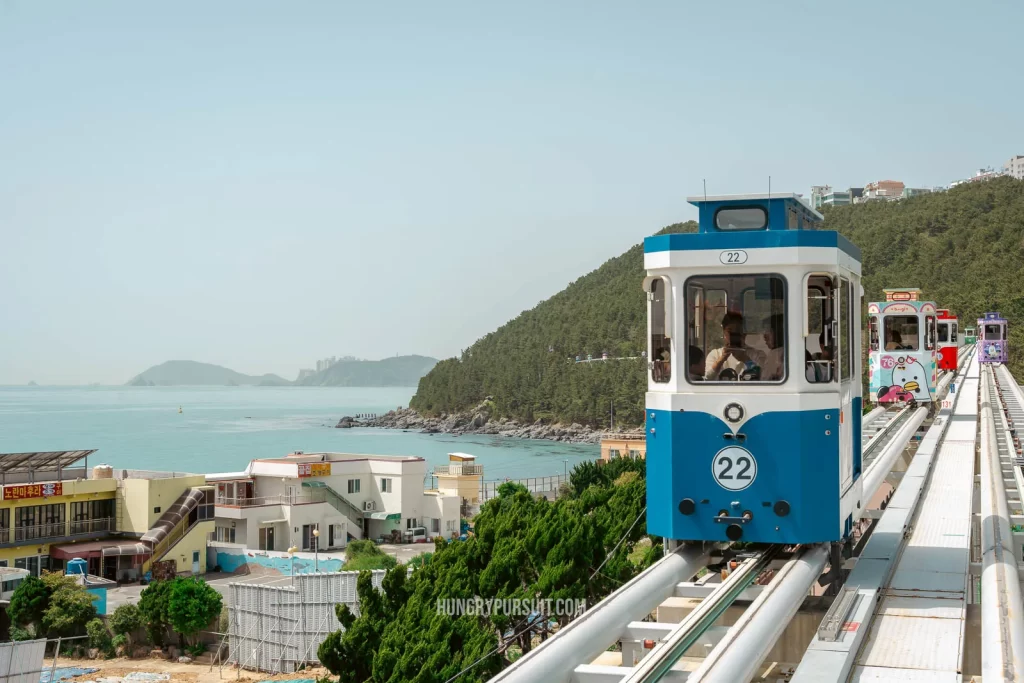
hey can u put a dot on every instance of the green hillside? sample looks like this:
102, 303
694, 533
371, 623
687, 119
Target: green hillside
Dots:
190, 373
524, 365
399, 371
964, 248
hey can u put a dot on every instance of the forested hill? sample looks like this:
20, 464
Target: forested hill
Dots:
524, 365
398, 371
964, 248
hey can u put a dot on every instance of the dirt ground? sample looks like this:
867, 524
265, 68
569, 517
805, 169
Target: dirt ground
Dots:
180, 673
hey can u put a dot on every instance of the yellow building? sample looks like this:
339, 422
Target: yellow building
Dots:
54, 509
623, 446
461, 477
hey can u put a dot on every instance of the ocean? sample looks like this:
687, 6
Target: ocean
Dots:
220, 429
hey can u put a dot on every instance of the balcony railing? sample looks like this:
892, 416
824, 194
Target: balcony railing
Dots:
458, 470
90, 526
281, 499
63, 529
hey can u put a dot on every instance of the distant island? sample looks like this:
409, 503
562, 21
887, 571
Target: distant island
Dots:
175, 373
400, 371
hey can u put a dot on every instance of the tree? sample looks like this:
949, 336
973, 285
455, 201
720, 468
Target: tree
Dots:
126, 620
194, 604
154, 605
70, 606
28, 603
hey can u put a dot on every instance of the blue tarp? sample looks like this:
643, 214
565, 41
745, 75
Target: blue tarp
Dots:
60, 673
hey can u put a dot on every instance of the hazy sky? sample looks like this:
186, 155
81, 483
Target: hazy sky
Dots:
261, 184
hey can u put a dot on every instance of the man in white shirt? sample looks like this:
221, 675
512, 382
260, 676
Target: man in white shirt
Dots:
733, 355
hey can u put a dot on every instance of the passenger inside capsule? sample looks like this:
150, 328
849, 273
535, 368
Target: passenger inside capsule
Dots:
774, 360
696, 363
733, 355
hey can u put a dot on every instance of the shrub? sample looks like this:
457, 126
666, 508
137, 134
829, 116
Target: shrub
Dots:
19, 633
126, 620
119, 642
70, 606
99, 636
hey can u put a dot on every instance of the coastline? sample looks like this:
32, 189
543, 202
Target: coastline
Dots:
478, 421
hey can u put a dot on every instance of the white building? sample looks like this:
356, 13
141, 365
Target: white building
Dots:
1015, 167
277, 503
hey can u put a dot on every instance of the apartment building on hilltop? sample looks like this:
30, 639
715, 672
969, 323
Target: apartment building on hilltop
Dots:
1015, 167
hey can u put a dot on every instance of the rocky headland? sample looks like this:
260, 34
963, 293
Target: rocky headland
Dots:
480, 421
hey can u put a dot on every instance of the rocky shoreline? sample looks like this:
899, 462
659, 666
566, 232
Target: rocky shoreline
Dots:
478, 421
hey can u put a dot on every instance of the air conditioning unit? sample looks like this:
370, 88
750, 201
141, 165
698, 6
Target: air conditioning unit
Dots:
369, 505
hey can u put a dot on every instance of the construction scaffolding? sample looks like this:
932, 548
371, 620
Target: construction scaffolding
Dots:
278, 628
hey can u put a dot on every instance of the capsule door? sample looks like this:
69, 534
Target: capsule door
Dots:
846, 335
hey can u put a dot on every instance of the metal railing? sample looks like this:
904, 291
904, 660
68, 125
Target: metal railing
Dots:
63, 529
489, 489
458, 470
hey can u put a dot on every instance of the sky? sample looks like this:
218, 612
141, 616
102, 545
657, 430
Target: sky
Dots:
261, 184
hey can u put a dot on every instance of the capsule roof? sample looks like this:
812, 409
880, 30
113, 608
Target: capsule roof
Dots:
755, 212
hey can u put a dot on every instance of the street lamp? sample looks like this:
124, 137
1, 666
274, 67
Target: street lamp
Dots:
316, 548
291, 554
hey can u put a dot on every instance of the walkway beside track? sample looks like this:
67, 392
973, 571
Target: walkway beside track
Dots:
902, 615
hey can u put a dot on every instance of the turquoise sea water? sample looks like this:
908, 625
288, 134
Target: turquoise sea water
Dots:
220, 429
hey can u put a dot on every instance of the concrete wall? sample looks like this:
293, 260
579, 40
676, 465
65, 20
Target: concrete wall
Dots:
194, 540
236, 560
444, 508
139, 498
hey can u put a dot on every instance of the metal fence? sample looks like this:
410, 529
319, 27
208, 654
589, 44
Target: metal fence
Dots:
550, 484
22, 661
278, 628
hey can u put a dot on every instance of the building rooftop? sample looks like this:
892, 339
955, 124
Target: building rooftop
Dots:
338, 457
14, 463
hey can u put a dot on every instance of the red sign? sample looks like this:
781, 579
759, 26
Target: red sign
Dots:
23, 491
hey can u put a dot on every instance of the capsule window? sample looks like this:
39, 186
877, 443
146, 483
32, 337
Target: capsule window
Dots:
820, 343
992, 332
944, 333
901, 333
953, 333
661, 342
929, 336
742, 218
873, 332
846, 328
742, 323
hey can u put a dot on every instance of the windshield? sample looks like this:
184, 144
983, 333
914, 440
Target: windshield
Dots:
737, 328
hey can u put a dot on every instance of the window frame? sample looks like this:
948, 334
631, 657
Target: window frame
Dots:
845, 353
930, 333
917, 339
685, 353
834, 279
655, 364
742, 207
